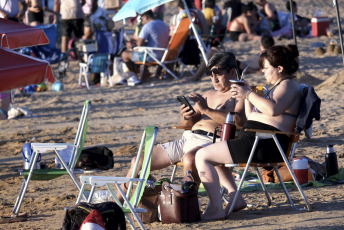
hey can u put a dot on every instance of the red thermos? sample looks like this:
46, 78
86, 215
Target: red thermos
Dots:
228, 128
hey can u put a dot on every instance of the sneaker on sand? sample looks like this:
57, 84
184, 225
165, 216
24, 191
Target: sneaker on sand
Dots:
132, 81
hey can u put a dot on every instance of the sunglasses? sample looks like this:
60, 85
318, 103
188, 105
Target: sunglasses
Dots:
215, 71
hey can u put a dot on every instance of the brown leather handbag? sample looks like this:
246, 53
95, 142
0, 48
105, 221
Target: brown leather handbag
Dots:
177, 207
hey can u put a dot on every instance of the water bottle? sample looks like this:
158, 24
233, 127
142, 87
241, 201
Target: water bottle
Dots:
228, 128
27, 154
331, 161
150, 184
187, 182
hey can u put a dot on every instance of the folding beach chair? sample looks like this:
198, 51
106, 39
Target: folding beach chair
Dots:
47, 174
287, 156
110, 42
170, 55
96, 63
130, 202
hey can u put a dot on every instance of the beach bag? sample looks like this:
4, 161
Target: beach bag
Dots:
112, 215
98, 157
177, 207
149, 201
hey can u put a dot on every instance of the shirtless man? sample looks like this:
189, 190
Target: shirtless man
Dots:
211, 110
243, 27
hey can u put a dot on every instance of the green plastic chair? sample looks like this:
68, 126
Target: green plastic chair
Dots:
48, 174
130, 202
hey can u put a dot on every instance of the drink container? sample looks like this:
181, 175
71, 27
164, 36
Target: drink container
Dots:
331, 161
300, 168
228, 128
27, 154
187, 182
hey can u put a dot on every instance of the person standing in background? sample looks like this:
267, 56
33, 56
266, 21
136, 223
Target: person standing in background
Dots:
12, 10
88, 7
72, 18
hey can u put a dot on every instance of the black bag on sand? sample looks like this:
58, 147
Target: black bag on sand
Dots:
177, 207
112, 215
190, 52
98, 157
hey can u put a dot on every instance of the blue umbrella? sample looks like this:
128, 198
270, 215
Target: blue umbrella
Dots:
137, 6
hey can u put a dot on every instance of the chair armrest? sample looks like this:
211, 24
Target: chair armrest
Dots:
183, 127
103, 180
143, 48
44, 147
271, 132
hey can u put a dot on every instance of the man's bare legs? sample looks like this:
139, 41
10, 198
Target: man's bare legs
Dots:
64, 44
206, 160
189, 164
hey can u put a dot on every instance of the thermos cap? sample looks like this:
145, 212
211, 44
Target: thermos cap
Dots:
329, 149
230, 117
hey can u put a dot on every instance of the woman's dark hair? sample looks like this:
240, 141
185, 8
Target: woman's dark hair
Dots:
285, 56
250, 7
209, 3
189, 3
287, 5
223, 60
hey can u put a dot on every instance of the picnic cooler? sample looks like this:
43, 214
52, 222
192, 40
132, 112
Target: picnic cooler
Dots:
320, 25
177, 207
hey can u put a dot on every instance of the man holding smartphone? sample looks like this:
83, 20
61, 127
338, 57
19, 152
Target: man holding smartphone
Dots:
211, 111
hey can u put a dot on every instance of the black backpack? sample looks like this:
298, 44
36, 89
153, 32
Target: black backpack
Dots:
98, 157
112, 215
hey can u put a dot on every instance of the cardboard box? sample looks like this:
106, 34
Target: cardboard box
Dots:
113, 4
320, 25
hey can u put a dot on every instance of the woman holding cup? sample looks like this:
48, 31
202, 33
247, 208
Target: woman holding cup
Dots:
276, 110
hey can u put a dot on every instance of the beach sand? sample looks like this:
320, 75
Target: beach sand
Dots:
119, 115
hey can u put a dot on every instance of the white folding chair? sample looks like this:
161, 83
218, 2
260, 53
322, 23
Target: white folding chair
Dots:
131, 200
46, 174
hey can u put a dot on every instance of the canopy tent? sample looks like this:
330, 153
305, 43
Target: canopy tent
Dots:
132, 7
17, 70
16, 35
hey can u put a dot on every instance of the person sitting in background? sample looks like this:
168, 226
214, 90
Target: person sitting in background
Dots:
243, 27
253, 64
154, 33
210, 11
277, 110
211, 110
270, 12
35, 12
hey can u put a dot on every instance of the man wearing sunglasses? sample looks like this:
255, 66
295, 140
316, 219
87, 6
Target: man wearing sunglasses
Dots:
211, 110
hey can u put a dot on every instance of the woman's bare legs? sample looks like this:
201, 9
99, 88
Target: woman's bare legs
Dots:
210, 174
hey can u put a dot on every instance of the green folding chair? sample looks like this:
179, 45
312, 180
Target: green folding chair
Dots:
130, 204
68, 168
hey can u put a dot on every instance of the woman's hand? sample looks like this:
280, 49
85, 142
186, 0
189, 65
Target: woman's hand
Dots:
240, 92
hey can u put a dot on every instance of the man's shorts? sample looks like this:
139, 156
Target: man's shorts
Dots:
73, 25
176, 150
138, 57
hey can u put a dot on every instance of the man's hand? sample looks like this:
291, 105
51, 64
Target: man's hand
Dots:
201, 103
186, 112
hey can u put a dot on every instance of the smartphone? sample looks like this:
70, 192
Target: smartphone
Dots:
185, 102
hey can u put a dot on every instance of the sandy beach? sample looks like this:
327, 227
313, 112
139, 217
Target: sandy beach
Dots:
119, 115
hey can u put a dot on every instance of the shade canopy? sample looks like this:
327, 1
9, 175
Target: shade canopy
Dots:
133, 7
18, 70
15, 35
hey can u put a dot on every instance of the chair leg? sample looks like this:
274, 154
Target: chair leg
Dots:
173, 173
291, 173
243, 176
263, 186
81, 193
23, 191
